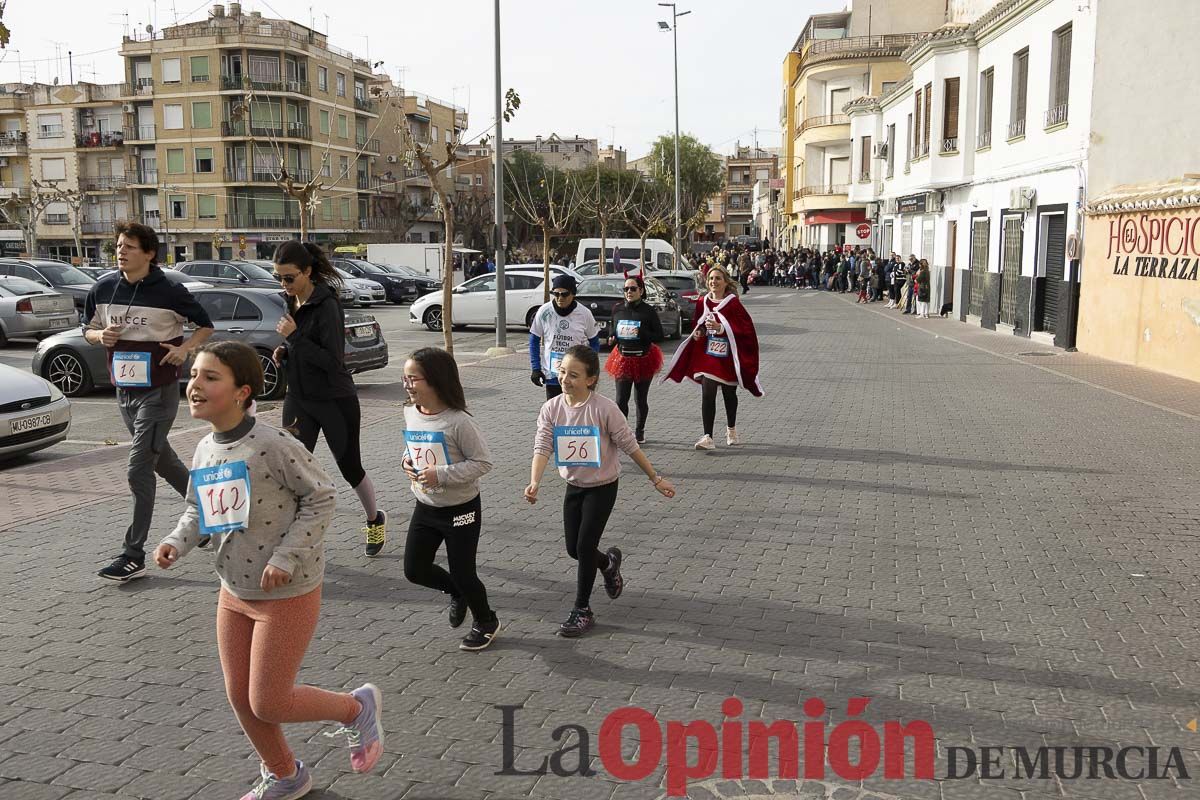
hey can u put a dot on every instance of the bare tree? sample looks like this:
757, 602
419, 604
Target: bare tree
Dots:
607, 194
651, 210
548, 199
73, 198
398, 213
473, 217
25, 212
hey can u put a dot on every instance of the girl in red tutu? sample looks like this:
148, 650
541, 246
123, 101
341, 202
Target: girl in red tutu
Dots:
635, 358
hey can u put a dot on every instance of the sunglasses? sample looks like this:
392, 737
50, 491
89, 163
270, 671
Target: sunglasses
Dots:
288, 279
632, 289
560, 294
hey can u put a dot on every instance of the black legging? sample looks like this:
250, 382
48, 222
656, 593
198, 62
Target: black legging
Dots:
708, 404
339, 419
457, 526
643, 401
585, 513
553, 390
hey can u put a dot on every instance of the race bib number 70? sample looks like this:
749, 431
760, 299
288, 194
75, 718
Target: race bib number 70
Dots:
222, 497
427, 448
576, 446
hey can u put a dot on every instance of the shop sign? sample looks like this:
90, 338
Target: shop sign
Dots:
1148, 246
912, 204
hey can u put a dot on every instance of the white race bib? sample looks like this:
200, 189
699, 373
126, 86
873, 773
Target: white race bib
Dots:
222, 497
576, 446
131, 370
718, 347
427, 449
629, 328
555, 360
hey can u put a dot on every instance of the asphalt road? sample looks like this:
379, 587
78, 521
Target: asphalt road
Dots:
95, 421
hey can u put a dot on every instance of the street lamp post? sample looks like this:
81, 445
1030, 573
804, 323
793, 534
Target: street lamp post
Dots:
673, 26
498, 239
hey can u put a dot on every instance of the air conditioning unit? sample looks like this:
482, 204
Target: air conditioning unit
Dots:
879, 150
3, 162
393, 159
1021, 198
128, 108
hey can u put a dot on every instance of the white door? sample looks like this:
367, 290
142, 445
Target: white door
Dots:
476, 303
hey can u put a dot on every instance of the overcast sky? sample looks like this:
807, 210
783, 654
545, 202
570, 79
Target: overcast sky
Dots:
597, 69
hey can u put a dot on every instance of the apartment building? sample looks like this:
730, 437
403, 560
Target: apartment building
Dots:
558, 152
838, 58
745, 167
613, 157
978, 168
213, 108
14, 160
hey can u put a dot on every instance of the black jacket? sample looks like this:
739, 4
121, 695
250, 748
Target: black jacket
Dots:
644, 319
316, 350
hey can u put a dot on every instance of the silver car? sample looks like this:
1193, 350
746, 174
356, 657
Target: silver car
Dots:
33, 413
30, 310
345, 293
366, 292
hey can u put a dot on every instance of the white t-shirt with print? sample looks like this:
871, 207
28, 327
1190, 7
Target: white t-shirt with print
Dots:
559, 334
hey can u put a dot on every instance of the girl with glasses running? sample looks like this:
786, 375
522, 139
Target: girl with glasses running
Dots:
321, 395
636, 357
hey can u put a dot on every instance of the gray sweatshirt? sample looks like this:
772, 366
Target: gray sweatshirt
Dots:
450, 443
290, 504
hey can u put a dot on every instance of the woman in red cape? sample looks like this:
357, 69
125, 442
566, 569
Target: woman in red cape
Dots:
721, 353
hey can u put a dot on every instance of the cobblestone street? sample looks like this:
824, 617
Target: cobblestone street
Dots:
1003, 545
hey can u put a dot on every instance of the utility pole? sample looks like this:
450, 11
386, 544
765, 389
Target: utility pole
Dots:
674, 27
501, 311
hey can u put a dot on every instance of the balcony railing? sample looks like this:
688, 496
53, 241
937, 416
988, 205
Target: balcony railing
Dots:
372, 223
98, 226
13, 141
1056, 115
147, 176
368, 183
950, 144
363, 104
820, 121
283, 130
824, 189
104, 183
864, 177
50, 132
57, 219
140, 133
263, 174
241, 82
368, 145
98, 139
857, 47
1016, 129
142, 87
151, 218
984, 139
249, 219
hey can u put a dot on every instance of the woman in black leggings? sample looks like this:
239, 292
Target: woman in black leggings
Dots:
320, 392
636, 357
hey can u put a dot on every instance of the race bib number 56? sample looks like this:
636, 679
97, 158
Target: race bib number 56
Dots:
222, 497
576, 446
427, 448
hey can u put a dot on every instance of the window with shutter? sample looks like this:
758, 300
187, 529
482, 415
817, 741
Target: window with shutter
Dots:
891, 150
986, 83
928, 114
1020, 87
950, 117
1060, 81
865, 162
915, 139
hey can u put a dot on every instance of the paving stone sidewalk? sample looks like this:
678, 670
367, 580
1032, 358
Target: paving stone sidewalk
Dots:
1004, 552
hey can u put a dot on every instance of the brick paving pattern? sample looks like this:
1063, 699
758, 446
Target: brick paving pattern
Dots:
966, 539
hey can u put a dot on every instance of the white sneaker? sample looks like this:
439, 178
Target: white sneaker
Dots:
731, 436
706, 443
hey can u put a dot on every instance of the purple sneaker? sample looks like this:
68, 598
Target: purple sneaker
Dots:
270, 787
578, 623
365, 734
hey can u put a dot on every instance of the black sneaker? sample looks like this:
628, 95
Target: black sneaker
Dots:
613, 582
580, 622
640, 436
123, 569
458, 611
205, 541
482, 634
376, 532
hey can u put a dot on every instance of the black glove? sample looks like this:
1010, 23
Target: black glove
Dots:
537, 377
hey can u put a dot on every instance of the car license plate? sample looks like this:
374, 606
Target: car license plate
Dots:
364, 332
60, 322
29, 424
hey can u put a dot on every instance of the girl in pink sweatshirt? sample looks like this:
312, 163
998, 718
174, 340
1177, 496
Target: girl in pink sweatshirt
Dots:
583, 432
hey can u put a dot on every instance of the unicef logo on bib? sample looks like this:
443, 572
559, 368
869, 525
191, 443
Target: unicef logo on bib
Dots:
576, 446
131, 370
222, 497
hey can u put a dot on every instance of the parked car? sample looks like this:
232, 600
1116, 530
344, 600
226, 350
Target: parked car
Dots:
33, 413
422, 283
688, 286
396, 288
95, 273
601, 294
30, 310
229, 273
624, 268
58, 275
345, 293
475, 300
364, 292
76, 366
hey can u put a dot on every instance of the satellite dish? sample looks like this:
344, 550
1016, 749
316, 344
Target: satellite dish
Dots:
150, 29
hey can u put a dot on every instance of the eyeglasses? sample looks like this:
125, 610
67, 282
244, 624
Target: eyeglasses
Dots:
288, 279
411, 380
632, 289
560, 294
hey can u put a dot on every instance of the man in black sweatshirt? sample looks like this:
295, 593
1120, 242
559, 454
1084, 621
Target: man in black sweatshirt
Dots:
138, 315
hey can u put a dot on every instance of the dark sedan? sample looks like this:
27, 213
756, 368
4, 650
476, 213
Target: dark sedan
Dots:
229, 273
601, 294
688, 287
399, 288
76, 367
423, 284
58, 275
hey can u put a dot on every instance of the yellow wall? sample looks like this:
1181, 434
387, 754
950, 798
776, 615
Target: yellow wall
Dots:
1143, 319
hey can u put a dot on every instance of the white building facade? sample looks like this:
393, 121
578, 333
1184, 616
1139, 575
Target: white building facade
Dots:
977, 163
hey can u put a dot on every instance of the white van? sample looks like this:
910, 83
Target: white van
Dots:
658, 254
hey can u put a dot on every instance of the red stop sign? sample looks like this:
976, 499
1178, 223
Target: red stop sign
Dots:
863, 231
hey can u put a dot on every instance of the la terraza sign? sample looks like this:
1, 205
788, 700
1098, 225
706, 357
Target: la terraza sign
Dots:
1155, 246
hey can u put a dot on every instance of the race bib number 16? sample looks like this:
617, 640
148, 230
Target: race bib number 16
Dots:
222, 497
576, 446
131, 369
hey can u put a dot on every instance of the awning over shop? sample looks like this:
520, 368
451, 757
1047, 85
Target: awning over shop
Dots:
835, 216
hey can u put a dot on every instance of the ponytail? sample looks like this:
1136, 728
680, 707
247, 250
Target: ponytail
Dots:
306, 255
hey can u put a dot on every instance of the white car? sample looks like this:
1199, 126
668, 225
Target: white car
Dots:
33, 413
366, 293
475, 300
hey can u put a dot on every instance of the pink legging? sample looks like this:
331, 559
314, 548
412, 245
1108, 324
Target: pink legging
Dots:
261, 643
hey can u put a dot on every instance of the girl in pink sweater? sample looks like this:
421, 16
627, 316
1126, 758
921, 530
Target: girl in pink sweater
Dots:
583, 431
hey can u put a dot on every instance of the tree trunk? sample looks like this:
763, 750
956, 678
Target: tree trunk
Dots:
642, 252
603, 238
545, 263
448, 276
303, 221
